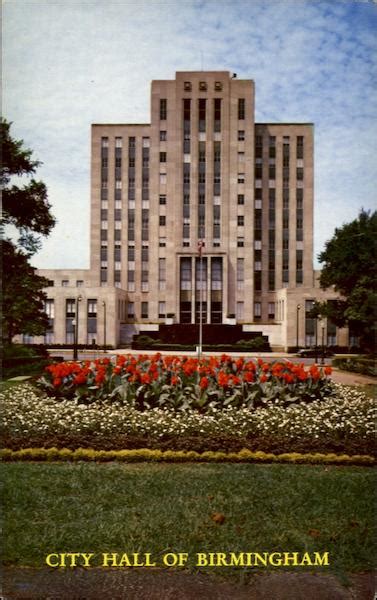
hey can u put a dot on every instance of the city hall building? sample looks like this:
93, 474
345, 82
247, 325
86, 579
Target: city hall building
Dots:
200, 202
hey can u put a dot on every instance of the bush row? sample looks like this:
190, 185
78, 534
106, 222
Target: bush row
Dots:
146, 455
357, 364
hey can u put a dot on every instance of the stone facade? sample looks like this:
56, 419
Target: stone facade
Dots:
202, 175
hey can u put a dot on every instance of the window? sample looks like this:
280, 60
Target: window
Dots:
218, 86
144, 310
162, 157
163, 136
217, 115
300, 173
240, 242
241, 108
131, 253
202, 86
161, 310
79, 283
162, 273
258, 281
163, 178
130, 310
241, 135
162, 199
257, 310
271, 310
162, 220
202, 114
241, 156
240, 199
105, 142
50, 308
163, 109
187, 86
240, 220
241, 178
299, 197
162, 242
65, 282
300, 147
144, 253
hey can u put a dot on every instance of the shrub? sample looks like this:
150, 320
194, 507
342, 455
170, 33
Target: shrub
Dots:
357, 364
258, 343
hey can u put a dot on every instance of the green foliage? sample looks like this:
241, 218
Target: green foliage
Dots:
23, 296
256, 344
26, 208
350, 266
357, 364
186, 383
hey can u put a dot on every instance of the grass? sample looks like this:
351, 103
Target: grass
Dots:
142, 508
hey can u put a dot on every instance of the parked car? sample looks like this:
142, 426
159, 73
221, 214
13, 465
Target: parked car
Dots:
313, 352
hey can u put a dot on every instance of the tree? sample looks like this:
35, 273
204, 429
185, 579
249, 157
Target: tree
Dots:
23, 299
350, 266
27, 208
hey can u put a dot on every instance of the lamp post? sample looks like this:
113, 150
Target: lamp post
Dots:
316, 338
104, 325
76, 327
200, 248
297, 324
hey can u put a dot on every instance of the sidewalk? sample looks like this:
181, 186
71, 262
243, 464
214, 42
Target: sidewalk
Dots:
349, 378
127, 584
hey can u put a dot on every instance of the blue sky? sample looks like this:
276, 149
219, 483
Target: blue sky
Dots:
69, 64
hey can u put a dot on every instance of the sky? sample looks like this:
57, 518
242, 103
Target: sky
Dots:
69, 64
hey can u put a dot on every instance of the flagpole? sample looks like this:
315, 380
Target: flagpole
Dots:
200, 247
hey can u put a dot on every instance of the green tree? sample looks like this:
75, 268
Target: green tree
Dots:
25, 207
349, 260
23, 298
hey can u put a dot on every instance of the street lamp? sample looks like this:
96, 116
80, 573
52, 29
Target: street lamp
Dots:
316, 337
76, 328
297, 323
323, 341
104, 325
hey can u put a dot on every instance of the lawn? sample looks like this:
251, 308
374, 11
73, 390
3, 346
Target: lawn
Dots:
157, 509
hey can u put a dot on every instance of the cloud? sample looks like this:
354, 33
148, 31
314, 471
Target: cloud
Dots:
86, 62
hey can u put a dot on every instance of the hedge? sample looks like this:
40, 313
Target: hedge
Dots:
147, 455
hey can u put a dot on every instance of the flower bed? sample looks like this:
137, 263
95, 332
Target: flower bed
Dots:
182, 383
344, 422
